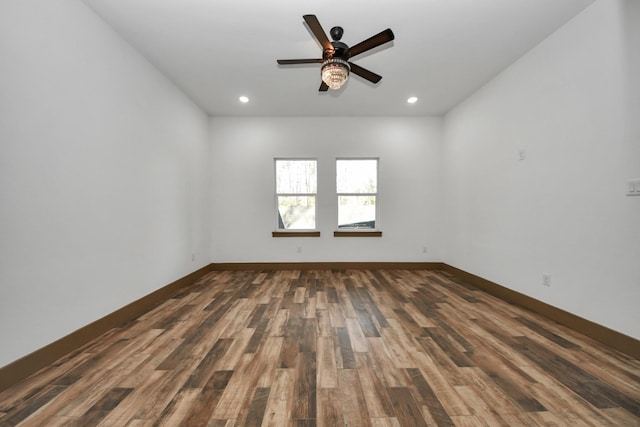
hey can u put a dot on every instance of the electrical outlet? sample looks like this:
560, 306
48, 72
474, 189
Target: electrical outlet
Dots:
299, 249
546, 280
193, 256
633, 187
522, 154
424, 249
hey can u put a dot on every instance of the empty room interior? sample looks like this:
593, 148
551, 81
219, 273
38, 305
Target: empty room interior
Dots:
285, 213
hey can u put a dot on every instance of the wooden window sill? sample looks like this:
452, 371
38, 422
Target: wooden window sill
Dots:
357, 234
295, 234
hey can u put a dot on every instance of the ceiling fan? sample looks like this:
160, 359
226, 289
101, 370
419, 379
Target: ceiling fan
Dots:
336, 55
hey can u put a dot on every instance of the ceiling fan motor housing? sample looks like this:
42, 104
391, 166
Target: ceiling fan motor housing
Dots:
340, 50
336, 33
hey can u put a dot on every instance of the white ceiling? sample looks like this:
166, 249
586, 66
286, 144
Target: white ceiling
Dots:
444, 50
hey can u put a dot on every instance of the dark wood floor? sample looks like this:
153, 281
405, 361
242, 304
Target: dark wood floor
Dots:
333, 348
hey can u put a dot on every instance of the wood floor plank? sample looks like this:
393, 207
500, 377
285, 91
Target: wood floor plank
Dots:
223, 423
332, 347
322, 303
443, 360
481, 410
352, 401
356, 336
47, 376
178, 409
206, 368
441, 385
233, 356
258, 336
620, 417
429, 398
128, 408
308, 338
346, 349
570, 375
305, 389
106, 370
327, 367
563, 402
385, 422
546, 333
279, 323
159, 395
507, 381
103, 407
332, 295
235, 394
207, 400
376, 395
310, 308
292, 338
407, 322
329, 412
257, 407
400, 345
382, 360
405, 407
469, 421
372, 307
337, 316
266, 361
324, 323
256, 370
27, 408
280, 403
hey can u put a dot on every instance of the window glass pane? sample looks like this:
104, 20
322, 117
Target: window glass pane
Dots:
357, 176
297, 212
356, 211
296, 176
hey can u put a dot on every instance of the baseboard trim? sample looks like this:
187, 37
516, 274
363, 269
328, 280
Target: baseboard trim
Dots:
270, 266
609, 337
22, 368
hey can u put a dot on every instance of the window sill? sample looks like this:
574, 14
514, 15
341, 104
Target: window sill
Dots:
353, 233
295, 234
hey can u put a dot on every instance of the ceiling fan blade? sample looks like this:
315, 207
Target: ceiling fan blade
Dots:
299, 61
364, 73
375, 41
317, 31
323, 87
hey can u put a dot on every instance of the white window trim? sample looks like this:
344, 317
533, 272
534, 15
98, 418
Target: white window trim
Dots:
377, 228
277, 228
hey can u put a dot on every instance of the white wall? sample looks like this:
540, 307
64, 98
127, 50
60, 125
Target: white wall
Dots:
104, 182
572, 104
108, 181
243, 187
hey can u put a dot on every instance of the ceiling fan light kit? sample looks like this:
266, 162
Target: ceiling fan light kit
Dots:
335, 72
335, 62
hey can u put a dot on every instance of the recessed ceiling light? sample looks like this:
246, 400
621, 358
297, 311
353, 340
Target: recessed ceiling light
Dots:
412, 100
244, 99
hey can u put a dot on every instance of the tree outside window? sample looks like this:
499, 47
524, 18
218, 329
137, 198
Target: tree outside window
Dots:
296, 191
357, 191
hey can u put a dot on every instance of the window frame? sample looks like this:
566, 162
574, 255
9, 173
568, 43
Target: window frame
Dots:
288, 232
354, 232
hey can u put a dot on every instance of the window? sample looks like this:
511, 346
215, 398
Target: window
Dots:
296, 188
357, 190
